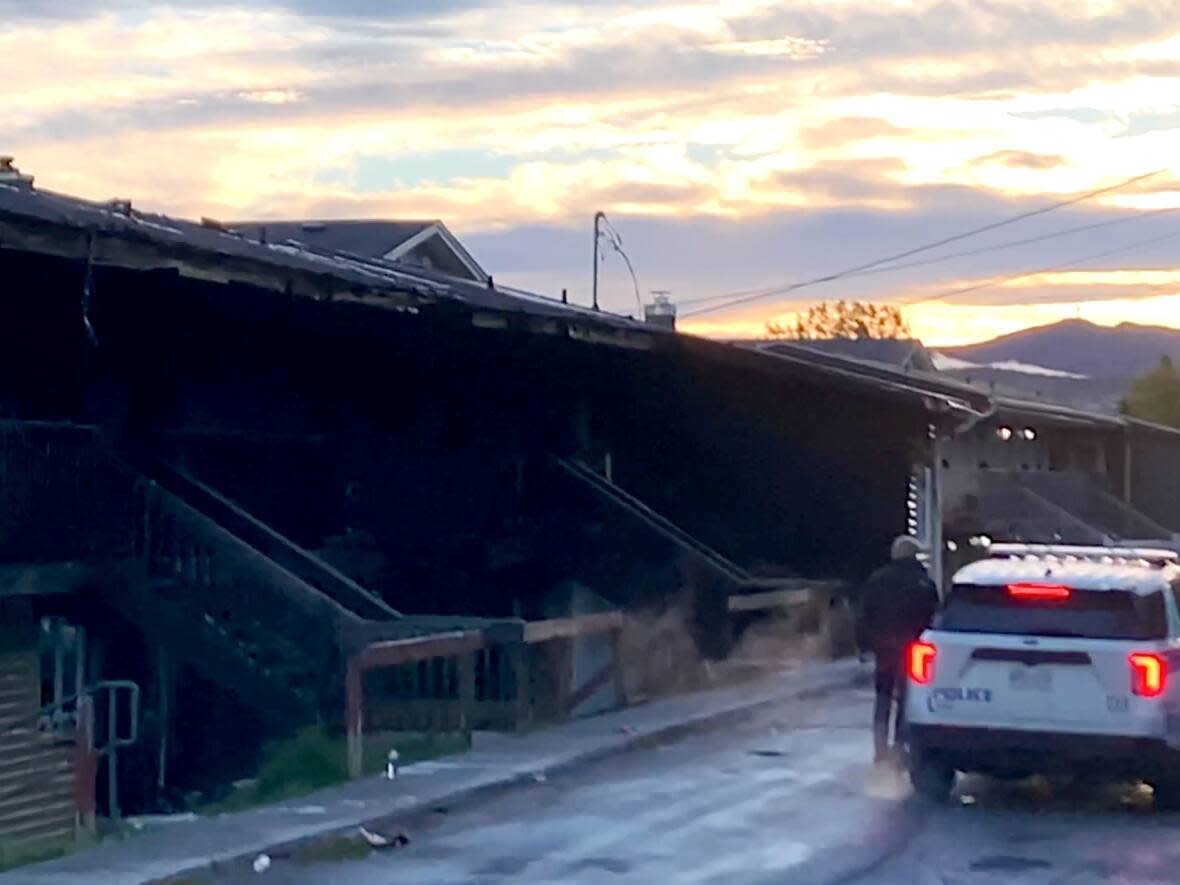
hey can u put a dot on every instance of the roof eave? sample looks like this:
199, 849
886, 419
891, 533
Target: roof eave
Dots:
957, 399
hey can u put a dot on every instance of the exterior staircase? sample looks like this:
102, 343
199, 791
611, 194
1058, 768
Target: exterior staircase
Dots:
654, 521
247, 608
302, 563
1065, 507
1005, 509
225, 594
1085, 497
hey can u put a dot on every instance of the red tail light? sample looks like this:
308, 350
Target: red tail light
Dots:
1149, 674
1043, 592
920, 660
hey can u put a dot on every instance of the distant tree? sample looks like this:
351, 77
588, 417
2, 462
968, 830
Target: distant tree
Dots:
844, 319
1156, 396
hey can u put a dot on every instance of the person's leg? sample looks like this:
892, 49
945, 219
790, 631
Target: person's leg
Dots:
899, 724
884, 683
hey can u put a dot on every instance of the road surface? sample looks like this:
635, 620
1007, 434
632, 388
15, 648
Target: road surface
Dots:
789, 798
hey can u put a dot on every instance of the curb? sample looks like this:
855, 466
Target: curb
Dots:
640, 739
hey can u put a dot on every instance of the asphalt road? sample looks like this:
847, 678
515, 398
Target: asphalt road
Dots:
790, 798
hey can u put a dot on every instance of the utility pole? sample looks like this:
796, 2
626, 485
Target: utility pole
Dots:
598, 218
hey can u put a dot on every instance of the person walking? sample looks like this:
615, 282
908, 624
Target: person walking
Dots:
897, 604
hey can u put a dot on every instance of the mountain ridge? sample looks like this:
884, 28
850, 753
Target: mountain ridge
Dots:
1080, 347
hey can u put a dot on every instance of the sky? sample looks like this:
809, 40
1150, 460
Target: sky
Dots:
735, 145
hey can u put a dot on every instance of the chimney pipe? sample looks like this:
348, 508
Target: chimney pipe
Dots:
661, 312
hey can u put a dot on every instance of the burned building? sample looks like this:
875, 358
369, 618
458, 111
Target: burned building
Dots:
226, 462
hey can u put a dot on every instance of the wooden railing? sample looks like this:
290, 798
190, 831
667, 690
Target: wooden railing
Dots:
654, 521
301, 563
505, 698
265, 618
501, 678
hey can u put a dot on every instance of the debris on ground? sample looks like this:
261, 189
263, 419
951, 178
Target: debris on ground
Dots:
384, 843
146, 821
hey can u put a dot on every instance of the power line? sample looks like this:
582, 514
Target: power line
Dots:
748, 295
615, 239
1010, 244
982, 250
1000, 281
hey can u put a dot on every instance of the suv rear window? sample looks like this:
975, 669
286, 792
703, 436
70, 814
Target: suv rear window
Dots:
1091, 614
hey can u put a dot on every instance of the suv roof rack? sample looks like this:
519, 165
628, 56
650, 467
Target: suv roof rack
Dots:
1150, 555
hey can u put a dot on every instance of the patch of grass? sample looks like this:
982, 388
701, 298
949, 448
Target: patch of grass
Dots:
332, 850
314, 759
307, 762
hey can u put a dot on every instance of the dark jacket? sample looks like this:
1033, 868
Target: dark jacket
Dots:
897, 604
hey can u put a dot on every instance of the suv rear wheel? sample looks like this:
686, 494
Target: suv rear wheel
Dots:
931, 778
1167, 793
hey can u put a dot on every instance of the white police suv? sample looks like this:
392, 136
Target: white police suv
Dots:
1046, 660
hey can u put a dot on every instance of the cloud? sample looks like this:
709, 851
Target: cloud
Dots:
739, 143
782, 47
271, 96
1024, 160
844, 130
867, 181
58, 10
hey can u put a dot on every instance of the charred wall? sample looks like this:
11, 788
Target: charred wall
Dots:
786, 475
1155, 482
432, 440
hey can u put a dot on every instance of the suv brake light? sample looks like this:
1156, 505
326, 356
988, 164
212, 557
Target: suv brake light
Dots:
920, 661
1149, 674
1039, 591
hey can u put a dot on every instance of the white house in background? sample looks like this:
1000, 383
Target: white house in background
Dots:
425, 244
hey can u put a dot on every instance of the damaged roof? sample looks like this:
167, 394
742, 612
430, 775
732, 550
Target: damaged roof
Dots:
967, 397
116, 234
898, 352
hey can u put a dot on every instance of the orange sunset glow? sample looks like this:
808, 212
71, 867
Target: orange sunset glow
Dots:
737, 145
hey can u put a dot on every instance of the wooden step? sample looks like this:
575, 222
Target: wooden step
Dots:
44, 762
59, 825
21, 737
49, 833
12, 704
201, 641
28, 734
36, 809
26, 690
34, 787
20, 679
15, 708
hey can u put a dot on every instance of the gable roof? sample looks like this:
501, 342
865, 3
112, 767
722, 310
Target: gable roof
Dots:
371, 239
365, 238
368, 238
